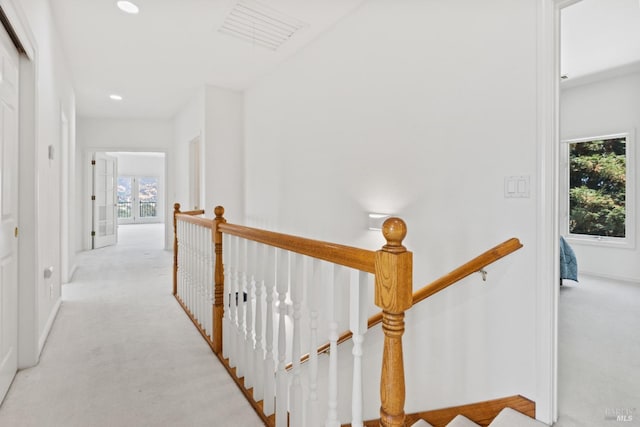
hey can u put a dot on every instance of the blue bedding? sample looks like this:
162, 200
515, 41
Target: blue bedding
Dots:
568, 262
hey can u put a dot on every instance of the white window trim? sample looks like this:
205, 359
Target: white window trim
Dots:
627, 242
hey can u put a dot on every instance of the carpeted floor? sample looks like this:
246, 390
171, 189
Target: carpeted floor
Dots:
599, 353
123, 353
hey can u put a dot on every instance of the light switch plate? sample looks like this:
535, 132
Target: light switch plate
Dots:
517, 187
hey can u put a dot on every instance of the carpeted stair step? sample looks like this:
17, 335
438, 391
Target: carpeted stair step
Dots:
506, 418
462, 421
421, 423
511, 418
458, 421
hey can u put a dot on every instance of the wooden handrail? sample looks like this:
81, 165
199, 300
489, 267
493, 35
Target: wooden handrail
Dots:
476, 264
359, 259
473, 266
197, 220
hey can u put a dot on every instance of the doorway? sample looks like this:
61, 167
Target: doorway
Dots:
599, 67
138, 188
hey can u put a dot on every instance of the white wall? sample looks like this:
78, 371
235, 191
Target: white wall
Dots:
101, 134
215, 115
603, 107
420, 109
47, 85
189, 123
223, 152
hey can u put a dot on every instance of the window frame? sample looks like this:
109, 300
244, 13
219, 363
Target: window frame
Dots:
629, 241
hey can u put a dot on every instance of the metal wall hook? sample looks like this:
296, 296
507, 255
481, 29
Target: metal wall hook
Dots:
484, 274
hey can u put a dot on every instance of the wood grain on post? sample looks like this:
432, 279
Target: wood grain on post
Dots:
393, 294
218, 275
176, 211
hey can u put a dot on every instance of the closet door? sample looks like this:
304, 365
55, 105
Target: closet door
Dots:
9, 60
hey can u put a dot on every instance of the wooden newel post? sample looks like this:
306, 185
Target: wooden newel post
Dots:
218, 276
176, 211
393, 294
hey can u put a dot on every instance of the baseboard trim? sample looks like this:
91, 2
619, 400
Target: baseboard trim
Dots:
47, 327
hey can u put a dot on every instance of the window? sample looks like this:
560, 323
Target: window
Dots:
599, 190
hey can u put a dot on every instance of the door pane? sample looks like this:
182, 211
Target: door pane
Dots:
148, 196
125, 199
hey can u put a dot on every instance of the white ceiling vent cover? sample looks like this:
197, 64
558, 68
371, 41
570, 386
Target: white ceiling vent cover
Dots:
260, 24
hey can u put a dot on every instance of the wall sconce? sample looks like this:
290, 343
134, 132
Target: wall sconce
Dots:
376, 220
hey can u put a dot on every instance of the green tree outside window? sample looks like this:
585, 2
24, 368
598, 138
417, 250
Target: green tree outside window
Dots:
597, 187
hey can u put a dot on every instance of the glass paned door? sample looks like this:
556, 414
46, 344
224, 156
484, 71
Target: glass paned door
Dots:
147, 197
105, 172
137, 199
125, 199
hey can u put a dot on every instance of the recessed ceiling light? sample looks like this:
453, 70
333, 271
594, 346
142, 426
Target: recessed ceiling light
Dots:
127, 6
115, 97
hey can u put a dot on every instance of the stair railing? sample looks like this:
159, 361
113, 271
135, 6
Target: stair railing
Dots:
475, 265
263, 282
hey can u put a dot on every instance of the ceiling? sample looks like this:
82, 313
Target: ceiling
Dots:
598, 35
157, 59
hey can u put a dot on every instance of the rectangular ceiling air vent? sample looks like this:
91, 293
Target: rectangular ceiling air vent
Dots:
260, 24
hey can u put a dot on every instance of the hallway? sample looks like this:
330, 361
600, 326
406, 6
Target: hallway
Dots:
123, 353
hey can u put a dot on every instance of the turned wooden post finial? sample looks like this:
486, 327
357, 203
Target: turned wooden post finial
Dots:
219, 211
176, 207
394, 231
394, 287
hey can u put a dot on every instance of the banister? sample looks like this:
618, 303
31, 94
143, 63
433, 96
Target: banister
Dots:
473, 266
194, 212
197, 220
359, 259
486, 258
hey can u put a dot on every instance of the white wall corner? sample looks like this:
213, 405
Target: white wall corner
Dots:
547, 270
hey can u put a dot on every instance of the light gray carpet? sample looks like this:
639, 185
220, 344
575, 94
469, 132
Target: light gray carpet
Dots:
123, 353
599, 353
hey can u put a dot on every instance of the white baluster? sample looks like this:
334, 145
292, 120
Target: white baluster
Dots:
187, 300
210, 281
193, 268
226, 319
249, 347
332, 400
180, 249
233, 335
242, 280
199, 270
258, 365
185, 262
269, 364
203, 276
313, 293
282, 284
358, 325
297, 288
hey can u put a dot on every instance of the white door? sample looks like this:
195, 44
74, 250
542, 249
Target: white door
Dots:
105, 200
8, 211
